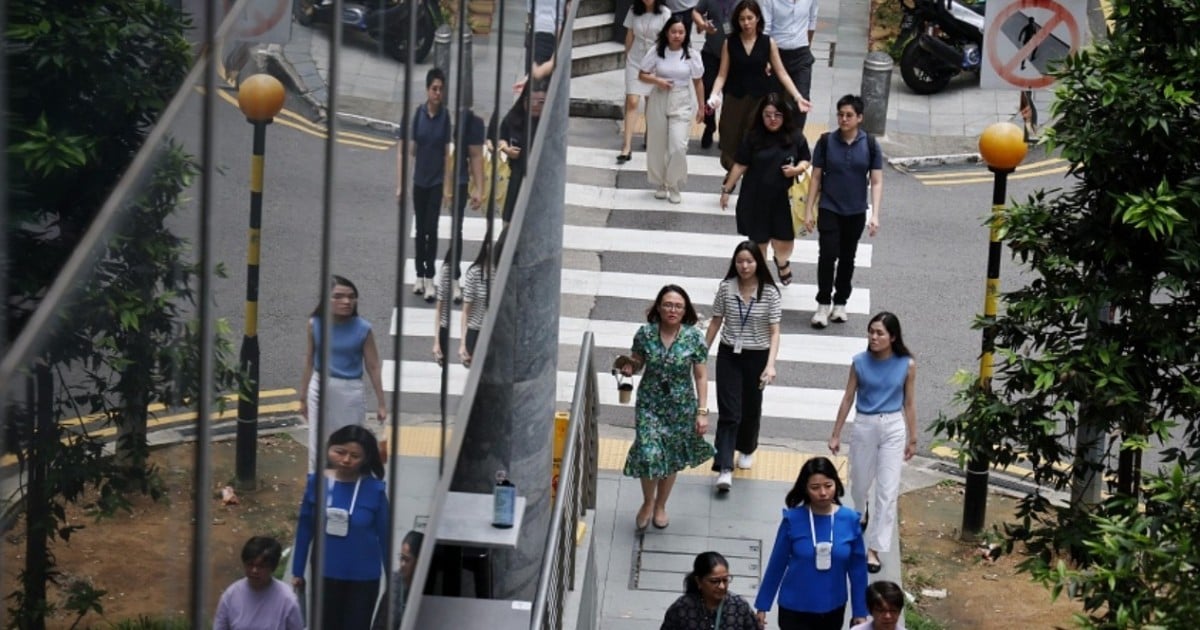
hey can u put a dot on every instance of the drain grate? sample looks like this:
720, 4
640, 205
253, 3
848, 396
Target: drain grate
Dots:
662, 560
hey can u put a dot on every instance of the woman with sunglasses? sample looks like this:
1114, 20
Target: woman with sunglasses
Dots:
707, 602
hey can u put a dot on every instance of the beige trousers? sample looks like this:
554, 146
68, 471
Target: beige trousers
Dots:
668, 120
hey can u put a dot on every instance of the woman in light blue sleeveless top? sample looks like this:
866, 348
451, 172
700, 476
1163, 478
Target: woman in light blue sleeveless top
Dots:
353, 351
881, 388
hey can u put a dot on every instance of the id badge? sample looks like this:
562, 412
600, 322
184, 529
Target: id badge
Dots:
726, 27
737, 346
824, 556
337, 522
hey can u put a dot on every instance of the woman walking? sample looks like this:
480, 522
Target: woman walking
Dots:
356, 529
746, 311
517, 130
476, 286
773, 154
352, 352
675, 71
707, 602
670, 425
742, 79
881, 387
819, 545
642, 24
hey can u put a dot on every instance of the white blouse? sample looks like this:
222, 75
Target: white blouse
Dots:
645, 29
673, 67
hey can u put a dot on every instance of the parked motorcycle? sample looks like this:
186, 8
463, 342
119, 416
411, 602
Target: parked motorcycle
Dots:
385, 21
944, 38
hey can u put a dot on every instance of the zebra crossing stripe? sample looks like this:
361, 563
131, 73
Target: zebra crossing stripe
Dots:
698, 165
618, 335
805, 403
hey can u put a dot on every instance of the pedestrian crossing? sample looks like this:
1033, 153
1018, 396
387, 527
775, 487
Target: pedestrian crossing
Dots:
621, 245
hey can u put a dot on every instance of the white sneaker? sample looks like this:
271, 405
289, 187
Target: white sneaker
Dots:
419, 286
745, 462
673, 196
457, 293
838, 314
725, 481
661, 193
820, 319
430, 290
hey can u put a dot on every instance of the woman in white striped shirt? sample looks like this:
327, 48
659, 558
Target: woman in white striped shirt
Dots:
750, 301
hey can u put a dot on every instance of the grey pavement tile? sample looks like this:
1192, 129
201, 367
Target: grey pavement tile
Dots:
636, 604
903, 126
613, 623
919, 116
975, 128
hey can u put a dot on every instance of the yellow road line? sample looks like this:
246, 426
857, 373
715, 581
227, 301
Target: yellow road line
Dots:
312, 129
978, 172
990, 178
157, 407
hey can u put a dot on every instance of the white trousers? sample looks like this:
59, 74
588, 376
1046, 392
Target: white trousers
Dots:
347, 405
876, 456
668, 120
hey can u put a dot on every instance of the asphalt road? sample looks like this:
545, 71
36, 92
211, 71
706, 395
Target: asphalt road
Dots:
928, 260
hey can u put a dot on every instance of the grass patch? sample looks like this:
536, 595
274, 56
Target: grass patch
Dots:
914, 619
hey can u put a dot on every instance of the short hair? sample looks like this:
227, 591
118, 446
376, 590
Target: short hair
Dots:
798, 495
435, 74
853, 100
884, 592
264, 548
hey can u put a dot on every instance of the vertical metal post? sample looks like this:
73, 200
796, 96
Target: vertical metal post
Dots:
975, 495
247, 426
876, 89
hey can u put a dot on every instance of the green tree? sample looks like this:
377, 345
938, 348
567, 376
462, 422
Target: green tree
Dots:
87, 82
1122, 240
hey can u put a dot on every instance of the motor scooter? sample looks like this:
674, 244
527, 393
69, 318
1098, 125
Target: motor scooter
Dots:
944, 38
385, 21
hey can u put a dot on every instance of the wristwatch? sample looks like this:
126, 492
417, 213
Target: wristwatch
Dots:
702, 411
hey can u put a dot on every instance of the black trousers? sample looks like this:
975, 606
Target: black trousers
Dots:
349, 604
837, 246
712, 65
739, 403
799, 65
460, 206
427, 205
444, 341
795, 620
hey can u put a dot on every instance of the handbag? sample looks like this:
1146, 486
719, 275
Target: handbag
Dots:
798, 196
494, 162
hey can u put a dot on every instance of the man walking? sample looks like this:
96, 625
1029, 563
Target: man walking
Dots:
792, 23
844, 163
716, 25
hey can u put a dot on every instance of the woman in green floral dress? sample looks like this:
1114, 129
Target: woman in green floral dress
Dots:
670, 424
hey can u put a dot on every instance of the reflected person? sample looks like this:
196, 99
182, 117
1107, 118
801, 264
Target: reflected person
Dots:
259, 601
401, 583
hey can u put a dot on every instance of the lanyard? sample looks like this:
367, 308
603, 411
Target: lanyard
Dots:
720, 608
744, 316
812, 529
353, 499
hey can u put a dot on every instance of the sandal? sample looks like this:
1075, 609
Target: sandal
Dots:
785, 273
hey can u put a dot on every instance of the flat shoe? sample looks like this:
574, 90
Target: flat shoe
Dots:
639, 523
623, 158
874, 567
663, 524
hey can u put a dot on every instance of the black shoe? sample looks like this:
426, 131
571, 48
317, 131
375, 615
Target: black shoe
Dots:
706, 139
874, 567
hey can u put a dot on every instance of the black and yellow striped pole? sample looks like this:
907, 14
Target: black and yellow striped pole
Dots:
1002, 146
260, 98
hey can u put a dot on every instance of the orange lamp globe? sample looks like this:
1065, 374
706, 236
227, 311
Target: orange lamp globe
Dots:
1002, 145
260, 98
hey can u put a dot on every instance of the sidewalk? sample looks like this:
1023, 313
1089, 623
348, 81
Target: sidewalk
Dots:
372, 85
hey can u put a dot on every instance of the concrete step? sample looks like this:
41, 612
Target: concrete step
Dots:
593, 29
596, 58
601, 95
594, 7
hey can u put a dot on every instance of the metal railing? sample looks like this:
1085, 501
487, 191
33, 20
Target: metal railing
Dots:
576, 494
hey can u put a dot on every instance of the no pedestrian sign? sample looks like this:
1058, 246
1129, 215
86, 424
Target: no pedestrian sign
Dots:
1023, 39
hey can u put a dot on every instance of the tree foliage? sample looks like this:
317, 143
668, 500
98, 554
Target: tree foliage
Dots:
1122, 241
87, 81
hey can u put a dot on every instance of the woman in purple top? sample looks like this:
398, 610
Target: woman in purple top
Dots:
356, 529
259, 601
881, 385
819, 546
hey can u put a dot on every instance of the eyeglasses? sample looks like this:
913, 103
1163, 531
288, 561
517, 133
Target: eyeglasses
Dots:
668, 306
715, 581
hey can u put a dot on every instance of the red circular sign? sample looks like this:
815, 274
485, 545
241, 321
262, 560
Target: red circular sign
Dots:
1005, 68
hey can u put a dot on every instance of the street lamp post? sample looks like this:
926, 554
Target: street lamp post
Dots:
1002, 146
260, 98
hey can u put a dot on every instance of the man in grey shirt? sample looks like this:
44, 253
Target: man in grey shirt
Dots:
716, 22
791, 23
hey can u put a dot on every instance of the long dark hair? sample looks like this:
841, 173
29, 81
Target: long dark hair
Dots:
689, 312
760, 265
702, 566
745, 5
518, 115
371, 463
788, 134
891, 323
334, 282
661, 46
798, 495
639, 7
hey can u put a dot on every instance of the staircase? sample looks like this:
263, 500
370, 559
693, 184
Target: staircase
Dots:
594, 49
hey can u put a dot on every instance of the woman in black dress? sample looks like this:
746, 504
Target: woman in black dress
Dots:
517, 130
773, 154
